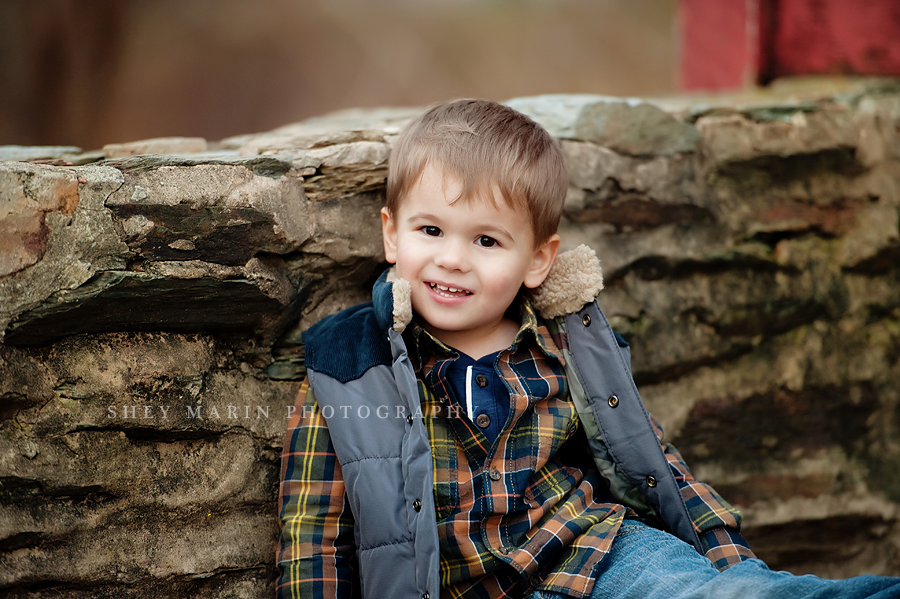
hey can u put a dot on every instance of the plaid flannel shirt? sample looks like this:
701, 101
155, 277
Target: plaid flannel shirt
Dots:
526, 512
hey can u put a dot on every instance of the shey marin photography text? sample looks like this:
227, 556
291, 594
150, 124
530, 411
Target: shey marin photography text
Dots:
248, 412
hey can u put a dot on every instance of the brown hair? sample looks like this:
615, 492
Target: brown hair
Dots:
487, 146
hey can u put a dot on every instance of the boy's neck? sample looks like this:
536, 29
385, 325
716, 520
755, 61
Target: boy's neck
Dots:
481, 342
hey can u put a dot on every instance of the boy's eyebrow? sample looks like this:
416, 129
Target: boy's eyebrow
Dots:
499, 230
423, 216
487, 228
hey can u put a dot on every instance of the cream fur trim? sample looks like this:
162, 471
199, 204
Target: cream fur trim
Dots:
402, 295
574, 280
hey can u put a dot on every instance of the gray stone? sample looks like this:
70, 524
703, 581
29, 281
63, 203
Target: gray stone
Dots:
29, 194
156, 210
209, 211
34, 153
131, 301
159, 145
77, 245
162, 441
341, 127
632, 126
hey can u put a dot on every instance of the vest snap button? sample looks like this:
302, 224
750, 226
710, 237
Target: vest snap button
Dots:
425, 595
417, 505
651, 481
613, 401
586, 320
409, 419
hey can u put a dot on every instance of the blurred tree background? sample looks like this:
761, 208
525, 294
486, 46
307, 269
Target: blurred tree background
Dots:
106, 71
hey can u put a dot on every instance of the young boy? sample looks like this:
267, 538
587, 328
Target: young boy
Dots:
474, 430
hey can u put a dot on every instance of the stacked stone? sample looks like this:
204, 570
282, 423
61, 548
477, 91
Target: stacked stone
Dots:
152, 297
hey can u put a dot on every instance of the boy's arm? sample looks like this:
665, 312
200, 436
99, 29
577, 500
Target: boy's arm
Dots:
715, 520
317, 553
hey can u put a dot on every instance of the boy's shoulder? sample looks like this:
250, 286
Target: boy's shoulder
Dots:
345, 345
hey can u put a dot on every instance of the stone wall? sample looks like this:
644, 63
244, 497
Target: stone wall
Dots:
152, 297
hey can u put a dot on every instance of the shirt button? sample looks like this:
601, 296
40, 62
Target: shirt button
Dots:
573, 427
504, 550
481, 380
651, 481
417, 505
613, 401
483, 420
494, 474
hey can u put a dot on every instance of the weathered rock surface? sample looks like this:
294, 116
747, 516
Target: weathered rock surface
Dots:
627, 126
151, 308
159, 145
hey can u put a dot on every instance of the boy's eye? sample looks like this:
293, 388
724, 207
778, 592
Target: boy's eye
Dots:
431, 231
485, 241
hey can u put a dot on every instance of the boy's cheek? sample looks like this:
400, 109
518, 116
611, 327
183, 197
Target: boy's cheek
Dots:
406, 257
400, 268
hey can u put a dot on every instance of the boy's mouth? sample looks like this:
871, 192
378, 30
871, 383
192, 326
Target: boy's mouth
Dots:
447, 291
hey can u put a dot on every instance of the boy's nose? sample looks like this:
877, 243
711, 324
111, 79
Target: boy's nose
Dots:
451, 257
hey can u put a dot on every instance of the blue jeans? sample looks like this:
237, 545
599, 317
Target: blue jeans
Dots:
648, 563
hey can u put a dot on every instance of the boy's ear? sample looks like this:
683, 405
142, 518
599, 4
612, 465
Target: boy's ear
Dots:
542, 262
389, 235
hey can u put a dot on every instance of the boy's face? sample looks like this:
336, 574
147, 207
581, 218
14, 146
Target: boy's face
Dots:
465, 261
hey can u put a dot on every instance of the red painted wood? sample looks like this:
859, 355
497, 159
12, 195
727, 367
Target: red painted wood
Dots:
836, 37
732, 44
717, 48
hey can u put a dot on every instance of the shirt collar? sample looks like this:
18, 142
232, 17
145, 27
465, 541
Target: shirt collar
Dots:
424, 345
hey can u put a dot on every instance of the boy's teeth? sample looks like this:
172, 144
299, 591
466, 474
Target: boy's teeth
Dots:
445, 288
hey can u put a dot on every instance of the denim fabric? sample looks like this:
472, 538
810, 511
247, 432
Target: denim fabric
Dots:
648, 563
